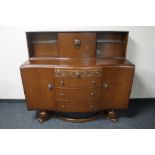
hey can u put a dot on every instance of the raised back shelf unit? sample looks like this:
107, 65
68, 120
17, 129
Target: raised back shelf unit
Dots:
53, 44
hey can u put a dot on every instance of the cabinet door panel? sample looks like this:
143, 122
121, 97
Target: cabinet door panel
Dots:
36, 81
116, 87
86, 48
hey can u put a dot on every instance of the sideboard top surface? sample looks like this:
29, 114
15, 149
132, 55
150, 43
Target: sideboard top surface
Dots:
65, 62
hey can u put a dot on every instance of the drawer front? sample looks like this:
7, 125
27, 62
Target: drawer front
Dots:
90, 82
77, 45
78, 94
74, 106
77, 72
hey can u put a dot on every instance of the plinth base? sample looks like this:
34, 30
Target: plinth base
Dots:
78, 117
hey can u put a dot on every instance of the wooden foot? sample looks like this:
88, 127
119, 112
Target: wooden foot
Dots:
111, 115
43, 116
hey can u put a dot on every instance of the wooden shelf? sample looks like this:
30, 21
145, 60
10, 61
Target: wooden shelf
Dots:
55, 41
109, 41
44, 42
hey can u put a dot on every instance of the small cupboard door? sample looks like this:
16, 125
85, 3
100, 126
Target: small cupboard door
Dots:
116, 87
38, 87
77, 45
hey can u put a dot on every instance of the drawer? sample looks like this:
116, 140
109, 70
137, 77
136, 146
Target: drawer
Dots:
89, 82
78, 94
74, 106
75, 72
77, 45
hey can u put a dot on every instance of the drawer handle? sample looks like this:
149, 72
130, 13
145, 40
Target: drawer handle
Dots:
50, 86
62, 94
77, 43
62, 82
92, 106
105, 85
77, 74
92, 94
93, 82
63, 106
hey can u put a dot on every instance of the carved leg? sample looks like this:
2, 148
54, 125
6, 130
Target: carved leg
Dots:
43, 116
111, 115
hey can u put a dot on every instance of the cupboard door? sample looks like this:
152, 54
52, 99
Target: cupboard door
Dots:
116, 87
77, 45
38, 87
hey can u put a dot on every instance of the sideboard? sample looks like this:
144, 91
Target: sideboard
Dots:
77, 73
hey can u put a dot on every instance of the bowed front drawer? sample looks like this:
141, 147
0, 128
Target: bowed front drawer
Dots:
77, 78
78, 82
76, 106
78, 94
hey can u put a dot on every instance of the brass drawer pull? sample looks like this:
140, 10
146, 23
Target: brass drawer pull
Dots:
62, 94
92, 94
93, 82
50, 86
62, 82
105, 85
63, 106
77, 43
77, 73
92, 106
